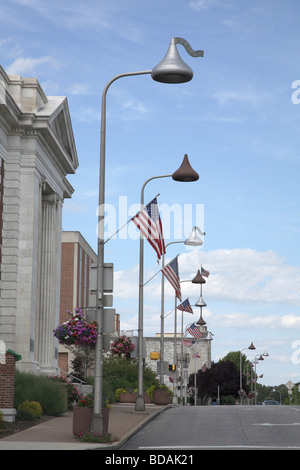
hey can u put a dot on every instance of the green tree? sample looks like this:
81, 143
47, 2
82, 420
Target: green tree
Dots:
223, 376
121, 373
236, 358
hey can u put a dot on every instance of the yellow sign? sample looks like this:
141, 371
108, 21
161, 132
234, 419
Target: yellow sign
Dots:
154, 356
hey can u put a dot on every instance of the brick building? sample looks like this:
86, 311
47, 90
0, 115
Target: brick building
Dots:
76, 259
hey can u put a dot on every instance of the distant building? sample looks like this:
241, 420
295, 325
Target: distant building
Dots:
37, 152
201, 346
76, 259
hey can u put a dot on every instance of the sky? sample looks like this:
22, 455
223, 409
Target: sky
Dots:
238, 120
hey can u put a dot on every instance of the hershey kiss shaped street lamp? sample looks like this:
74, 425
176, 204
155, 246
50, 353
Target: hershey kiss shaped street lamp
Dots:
186, 174
192, 240
198, 279
172, 69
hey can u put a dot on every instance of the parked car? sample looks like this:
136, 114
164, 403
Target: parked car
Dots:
270, 402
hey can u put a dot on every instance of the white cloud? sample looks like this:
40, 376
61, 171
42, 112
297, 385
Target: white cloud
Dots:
28, 65
249, 321
79, 89
245, 275
202, 4
238, 275
75, 208
290, 321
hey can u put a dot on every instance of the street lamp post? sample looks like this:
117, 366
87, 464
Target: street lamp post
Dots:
198, 279
252, 347
185, 173
192, 240
171, 69
274, 390
257, 358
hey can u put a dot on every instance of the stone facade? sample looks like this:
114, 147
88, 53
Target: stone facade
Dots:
37, 152
202, 346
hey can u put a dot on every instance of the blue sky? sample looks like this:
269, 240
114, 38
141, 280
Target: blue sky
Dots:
238, 120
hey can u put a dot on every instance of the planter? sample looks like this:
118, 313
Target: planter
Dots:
146, 397
128, 397
105, 412
82, 417
161, 397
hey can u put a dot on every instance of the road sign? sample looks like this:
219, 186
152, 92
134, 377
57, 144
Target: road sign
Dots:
109, 325
290, 385
108, 272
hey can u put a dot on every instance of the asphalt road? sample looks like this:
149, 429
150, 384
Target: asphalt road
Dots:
221, 427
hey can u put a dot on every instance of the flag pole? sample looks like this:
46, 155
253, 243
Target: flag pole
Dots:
195, 380
152, 277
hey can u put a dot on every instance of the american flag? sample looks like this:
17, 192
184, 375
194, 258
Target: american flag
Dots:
196, 355
204, 272
188, 342
185, 306
172, 274
194, 331
149, 223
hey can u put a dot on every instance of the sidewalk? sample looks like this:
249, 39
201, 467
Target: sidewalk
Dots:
56, 434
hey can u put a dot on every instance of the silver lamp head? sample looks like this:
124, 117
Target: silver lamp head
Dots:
172, 69
200, 302
193, 239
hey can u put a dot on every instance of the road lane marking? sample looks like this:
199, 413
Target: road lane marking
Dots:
275, 424
218, 447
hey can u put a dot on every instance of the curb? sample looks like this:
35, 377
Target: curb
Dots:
133, 431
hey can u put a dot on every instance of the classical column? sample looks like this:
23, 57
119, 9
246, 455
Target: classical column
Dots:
49, 282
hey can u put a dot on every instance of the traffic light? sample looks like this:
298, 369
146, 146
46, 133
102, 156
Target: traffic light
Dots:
172, 367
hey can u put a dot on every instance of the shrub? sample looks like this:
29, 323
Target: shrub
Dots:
33, 407
86, 401
49, 393
118, 393
121, 373
150, 392
73, 394
158, 387
25, 415
94, 437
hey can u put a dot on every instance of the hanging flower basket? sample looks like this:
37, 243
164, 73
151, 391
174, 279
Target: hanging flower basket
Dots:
77, 331
122, 347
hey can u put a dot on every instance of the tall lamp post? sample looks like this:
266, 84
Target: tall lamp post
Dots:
198, 279
172, 69
257, 358
252, 347
192, 240
185, 173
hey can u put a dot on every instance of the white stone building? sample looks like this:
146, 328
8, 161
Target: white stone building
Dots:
201, 346
37, 152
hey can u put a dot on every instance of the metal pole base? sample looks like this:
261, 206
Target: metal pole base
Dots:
97, 423
140, 403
